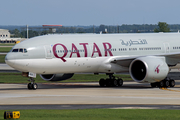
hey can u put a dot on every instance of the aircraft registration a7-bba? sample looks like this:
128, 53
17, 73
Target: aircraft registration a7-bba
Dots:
147, 57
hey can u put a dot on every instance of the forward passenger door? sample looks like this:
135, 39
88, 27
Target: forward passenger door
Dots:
48, 51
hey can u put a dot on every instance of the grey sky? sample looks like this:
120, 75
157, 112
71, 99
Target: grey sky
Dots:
89, 12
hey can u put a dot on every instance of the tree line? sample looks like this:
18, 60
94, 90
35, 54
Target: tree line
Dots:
144, 28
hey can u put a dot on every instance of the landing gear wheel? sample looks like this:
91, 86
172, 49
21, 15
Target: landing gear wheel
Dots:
166, 83
153, 85
115, 82
108, 82
161, 84
34, 86
29, 86
120, 82
112, 81
102, 82
172, 83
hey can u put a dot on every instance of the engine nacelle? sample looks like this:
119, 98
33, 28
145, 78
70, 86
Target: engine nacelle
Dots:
56, 77
149, 69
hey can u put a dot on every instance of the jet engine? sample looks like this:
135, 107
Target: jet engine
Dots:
56, 77
149, 69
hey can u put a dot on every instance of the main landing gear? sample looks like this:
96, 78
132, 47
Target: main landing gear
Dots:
32, 85
167, 82
111, 81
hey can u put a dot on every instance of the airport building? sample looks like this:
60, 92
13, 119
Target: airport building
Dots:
5, 37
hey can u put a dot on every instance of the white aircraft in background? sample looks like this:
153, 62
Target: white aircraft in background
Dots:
147, 57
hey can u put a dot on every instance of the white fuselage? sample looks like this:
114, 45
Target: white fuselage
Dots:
52, 54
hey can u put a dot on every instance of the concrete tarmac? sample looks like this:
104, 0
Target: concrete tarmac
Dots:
131, 93
3, 53
4, 66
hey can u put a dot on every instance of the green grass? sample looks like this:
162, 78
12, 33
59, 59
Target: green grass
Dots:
2, 57
7, 44
17, 78
94, 78
5, 49
98, 114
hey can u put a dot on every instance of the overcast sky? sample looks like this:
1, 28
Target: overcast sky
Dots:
89, 12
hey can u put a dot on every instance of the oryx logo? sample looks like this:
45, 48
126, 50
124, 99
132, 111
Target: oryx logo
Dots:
157, 69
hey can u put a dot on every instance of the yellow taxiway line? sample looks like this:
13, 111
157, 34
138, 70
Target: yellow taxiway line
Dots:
164, 88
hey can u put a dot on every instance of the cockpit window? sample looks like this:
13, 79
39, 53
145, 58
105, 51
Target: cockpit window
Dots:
25, 51
15, 50
22, 50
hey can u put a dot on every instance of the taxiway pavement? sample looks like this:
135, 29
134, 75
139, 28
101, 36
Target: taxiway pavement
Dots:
131, 93
4, 66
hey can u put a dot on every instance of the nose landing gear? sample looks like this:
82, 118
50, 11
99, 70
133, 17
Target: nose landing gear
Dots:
32, 85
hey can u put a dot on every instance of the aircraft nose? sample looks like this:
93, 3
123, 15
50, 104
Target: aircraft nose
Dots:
10, 59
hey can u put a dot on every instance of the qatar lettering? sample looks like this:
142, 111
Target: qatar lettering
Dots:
74, 50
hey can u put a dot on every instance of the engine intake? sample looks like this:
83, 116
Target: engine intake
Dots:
148, 69
138, 70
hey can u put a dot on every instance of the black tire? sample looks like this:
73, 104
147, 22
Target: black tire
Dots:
161, 84
108, 83
102, 82
120, 82
29, 86
166, 83
34, 86
115, 82
153, 85
172, 83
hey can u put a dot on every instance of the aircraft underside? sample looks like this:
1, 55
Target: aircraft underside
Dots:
112, 81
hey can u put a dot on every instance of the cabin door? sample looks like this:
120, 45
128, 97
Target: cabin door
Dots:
166, 47
48, 51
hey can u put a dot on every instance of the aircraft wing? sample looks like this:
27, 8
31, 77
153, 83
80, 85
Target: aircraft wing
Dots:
125, 61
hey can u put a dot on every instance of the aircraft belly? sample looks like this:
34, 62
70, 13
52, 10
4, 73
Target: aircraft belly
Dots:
51, 66
72, 65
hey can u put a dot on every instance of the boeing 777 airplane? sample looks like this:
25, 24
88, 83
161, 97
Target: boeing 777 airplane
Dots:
147, 57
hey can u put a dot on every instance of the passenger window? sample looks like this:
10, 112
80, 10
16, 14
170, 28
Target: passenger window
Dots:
15, 50
21, 50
